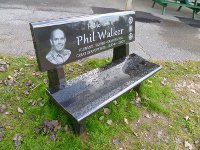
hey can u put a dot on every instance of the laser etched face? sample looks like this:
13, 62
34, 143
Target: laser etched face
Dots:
58, 40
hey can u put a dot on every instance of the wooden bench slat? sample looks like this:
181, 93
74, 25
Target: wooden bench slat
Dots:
166, 2
194, 5
89, 92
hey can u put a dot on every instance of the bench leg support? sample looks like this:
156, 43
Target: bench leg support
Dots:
153, 4
78, 127
120, 52
193, 14
179, 8
163, 10
56, 77
137, 88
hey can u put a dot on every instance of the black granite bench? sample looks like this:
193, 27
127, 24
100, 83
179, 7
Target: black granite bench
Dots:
61, 41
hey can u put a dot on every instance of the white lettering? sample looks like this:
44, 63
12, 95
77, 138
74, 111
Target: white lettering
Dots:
102, 35
79, 38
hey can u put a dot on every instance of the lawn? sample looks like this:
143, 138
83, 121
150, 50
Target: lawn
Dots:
165, 115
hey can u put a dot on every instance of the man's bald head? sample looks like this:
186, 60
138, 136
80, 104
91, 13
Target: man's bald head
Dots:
56, 31
58, 40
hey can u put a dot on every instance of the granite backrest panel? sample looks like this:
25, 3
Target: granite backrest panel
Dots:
61, 41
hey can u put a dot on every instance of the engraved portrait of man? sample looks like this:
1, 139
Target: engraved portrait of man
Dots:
58, 54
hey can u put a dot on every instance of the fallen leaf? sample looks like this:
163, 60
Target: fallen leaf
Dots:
71, 68
188, 145
101, 118
166, 139
7, 113
186, 118
2, 62
45, 130
28, 65
155, 114
20, 110
48, 125
172, 68
126, 120
21, 69
66, 128
178, 141
3, 65
197, 75
41, 104
148, 116
17, 139
193, 91
1, 136
137, 100
192, 111
196, 142
2, 69
39, 99
29, 83
18, 98
1, 127
37, 130
164, 82
54, 123
45, 81
135, 134
26, 92
149, 81
79, 70
56, 128
116, 141
106, 111
16, 73
80, 64
9, 81
2, 108
31, 57
53, 136
36, 74
115, 102
159, 134
109, 122
32, 102
85, 136
10, 78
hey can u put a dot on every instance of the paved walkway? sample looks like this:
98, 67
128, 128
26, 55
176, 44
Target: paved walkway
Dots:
160, 37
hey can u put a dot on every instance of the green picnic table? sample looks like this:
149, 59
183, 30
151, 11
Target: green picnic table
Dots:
195, 6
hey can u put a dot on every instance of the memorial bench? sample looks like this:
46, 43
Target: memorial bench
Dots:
84, 36
185, 3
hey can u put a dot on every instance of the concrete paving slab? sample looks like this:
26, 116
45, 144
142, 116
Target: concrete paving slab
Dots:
160, 37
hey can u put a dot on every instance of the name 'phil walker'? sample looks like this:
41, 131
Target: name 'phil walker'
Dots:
85, 39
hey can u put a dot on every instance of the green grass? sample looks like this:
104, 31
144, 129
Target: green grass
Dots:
154, 98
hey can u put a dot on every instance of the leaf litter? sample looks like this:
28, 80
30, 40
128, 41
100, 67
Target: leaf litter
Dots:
17, 139
3, 65
20, 110
188, 145
49, 127
106, 111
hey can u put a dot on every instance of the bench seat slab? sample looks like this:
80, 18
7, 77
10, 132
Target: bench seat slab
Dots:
87, 93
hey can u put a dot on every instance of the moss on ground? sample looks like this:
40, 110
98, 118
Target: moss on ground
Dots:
167, 99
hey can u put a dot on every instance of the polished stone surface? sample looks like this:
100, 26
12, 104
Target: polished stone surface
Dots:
61, 41
89, 92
